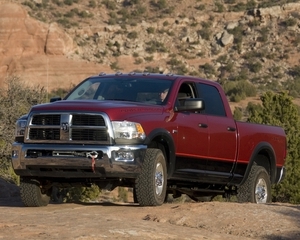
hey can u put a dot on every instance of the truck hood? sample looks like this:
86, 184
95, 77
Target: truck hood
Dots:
114, 109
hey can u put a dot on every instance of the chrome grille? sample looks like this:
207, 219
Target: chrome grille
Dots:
44, 134
89, 134
46, 120
87, 120
68, 127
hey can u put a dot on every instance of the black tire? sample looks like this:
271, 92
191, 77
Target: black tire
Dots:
32, 195
135, 200
257, 188
151, 184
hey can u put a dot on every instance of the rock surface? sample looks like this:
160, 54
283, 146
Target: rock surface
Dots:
38, 52
108, 220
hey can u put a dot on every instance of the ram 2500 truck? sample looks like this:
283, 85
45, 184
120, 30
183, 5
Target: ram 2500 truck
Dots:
116, 130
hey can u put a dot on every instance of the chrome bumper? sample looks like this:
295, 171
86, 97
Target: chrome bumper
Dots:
280, 174
75, 161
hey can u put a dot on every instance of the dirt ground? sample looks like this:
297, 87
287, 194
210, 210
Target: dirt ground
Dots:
110, 220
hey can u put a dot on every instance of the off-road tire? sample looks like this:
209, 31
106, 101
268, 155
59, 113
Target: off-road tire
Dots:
151, 184
257, 187
135, 200
32, 194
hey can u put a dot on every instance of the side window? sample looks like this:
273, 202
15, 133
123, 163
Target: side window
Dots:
186, 90
213, 102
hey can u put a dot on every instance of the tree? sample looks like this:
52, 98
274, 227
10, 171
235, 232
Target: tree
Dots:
279, 110
16, 98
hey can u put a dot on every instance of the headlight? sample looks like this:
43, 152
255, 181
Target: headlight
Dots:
128, 131
20, 127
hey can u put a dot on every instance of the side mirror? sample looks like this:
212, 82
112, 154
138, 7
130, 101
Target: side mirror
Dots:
190, 104
54, 99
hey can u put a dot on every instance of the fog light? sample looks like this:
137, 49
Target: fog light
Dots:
126, 156
15, 153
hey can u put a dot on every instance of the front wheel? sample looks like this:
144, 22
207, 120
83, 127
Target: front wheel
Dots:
151, 184
257, 188
32, 194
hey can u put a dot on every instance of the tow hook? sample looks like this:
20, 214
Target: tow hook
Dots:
93, 155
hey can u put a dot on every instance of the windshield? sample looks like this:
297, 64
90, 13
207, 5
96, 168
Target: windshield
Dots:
146, 90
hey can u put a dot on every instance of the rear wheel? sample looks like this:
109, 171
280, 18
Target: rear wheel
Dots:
151, 184
32, 194
257, 188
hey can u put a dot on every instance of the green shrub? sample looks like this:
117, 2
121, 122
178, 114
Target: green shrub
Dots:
79, 194
109, 4
204, 33
255, 66
29, 4
219, 7
68, 2
165, 23
200, 7
150, 30
92, 4
155, 46
239, 90
122, 194
207, 68
160, 4
238, 114
16, 98
290, 22
149, 58
138, 61
132, 35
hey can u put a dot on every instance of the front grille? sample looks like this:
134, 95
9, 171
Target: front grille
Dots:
46, 120
88, 120
44, 134
68, 127
89, 134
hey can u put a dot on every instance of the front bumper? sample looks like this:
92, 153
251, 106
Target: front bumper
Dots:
77, 161
281, 172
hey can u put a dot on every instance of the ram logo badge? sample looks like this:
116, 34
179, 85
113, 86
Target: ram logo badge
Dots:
65, 126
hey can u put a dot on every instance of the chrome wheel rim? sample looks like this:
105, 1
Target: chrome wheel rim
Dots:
261, 191
159, 178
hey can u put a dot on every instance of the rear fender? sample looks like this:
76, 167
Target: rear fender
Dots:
263, 148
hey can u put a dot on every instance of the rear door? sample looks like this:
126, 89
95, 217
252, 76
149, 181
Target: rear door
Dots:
222, 132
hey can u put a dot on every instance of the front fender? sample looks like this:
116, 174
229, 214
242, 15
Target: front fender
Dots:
163, 137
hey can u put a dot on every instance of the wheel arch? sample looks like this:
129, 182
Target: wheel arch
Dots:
162, 139
264, 149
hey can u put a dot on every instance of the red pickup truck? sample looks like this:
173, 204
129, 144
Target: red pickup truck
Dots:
158, 134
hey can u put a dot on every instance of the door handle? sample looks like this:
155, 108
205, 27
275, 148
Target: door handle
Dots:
231, 129
202, 125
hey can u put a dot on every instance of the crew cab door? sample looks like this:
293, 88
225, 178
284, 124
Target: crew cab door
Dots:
222, 136
192, 137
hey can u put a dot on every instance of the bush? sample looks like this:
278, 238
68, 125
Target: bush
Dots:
207, 68
92, 4
155, 46
16, 98
111, 5
132, 35
238, 114
255, 66
239, 90
68, 2
150, 30
76, 194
